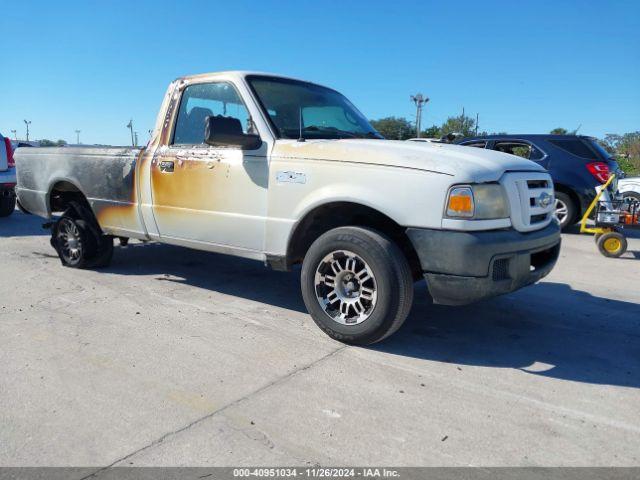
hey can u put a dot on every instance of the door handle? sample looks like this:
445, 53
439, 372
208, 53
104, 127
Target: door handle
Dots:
167, 166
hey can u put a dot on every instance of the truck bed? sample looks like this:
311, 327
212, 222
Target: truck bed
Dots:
105, 175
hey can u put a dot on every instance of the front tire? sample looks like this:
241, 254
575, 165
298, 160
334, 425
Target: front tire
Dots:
7, 204
357, 285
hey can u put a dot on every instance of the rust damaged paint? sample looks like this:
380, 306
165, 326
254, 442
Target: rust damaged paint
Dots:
201, 177
125, 215
196, 183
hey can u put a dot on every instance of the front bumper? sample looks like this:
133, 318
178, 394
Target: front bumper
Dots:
464, 267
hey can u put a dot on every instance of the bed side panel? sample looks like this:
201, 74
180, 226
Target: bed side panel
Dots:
106, 176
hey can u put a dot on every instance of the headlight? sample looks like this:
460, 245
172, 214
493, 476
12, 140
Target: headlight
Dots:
477, 202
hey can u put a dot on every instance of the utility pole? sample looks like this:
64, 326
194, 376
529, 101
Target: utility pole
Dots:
27, 123
477, 117
130, 127
419, 100
135, 136
15, 135
78, 137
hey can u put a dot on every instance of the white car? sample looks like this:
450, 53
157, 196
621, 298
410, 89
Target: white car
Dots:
7, 178
629, 188
290, 172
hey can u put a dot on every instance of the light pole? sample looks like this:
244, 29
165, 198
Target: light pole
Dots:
27, 123
15, 135
130, 127
78, 136
419, 100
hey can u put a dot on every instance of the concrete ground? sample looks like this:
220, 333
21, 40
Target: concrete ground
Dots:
177, 357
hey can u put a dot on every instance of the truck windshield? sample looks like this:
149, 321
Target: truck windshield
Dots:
304, 110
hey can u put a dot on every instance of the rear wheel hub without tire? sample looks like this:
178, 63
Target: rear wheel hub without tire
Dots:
70, 241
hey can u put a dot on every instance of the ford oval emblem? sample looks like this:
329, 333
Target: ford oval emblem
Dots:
544, 200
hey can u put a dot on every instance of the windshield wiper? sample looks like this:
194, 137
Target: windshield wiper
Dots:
370, 135
337, 131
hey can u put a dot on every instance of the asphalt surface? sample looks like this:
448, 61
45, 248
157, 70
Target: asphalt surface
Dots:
178, 357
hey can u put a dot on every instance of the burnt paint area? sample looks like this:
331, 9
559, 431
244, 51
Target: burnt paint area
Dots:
114, 201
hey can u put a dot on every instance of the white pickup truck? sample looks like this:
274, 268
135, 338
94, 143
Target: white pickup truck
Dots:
290, 172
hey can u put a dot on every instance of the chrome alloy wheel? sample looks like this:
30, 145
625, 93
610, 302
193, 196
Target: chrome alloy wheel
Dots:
345, 287
70, 241
561, 211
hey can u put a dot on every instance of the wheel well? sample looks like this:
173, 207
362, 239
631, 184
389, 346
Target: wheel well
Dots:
574, 197
342, 214
62, 194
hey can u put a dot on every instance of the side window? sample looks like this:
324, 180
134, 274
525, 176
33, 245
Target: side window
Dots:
521, 149
482, 144
536, 154
208, 99
575, 147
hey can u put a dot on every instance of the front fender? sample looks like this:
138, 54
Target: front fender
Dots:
629, 185
341, 192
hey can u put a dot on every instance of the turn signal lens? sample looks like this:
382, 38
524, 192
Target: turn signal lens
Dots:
460, 203
10, 162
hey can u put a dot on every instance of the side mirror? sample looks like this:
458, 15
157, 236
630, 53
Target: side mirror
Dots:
227, 132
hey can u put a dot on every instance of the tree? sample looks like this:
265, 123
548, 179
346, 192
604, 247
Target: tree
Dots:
462, 124
48, 143
625, 148
431, 132
559, 131
628, 152
610, 142
394, 128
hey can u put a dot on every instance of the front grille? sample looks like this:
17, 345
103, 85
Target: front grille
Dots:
538, 183
531, 199
501, 269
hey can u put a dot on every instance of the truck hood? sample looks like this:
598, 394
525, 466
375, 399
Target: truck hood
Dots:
466, 163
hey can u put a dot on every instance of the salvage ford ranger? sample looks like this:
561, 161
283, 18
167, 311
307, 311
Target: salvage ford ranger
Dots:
290, 172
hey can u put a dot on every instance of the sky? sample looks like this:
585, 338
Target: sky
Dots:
523, 66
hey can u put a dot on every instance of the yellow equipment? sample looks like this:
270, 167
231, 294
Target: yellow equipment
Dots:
610, 217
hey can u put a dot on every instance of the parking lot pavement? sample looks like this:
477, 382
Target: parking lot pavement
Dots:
177, 357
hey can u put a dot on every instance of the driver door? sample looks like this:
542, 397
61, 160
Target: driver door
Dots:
204, 194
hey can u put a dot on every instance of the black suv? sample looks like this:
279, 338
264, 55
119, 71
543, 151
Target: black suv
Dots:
577, 164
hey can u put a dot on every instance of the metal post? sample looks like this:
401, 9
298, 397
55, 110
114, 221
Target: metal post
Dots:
419, 100
130, 127
27, 123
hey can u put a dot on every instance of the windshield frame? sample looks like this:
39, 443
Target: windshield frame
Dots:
276, 131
